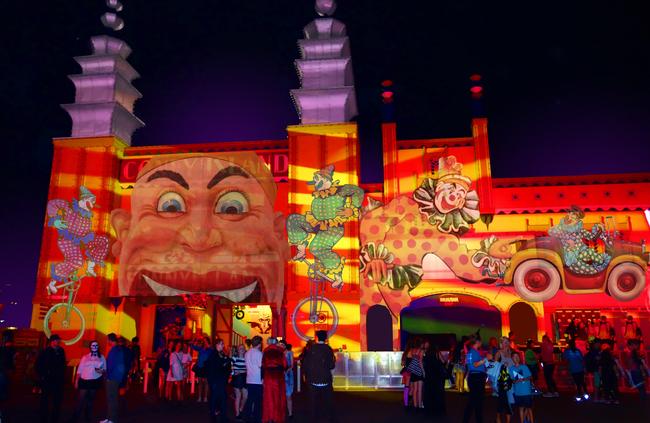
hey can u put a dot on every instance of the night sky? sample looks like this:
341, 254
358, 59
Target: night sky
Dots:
566, 83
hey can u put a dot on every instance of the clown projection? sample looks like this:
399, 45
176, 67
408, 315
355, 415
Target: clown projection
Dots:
332, 205
76, 240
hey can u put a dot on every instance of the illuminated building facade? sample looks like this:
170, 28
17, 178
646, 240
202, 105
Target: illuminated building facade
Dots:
161, 241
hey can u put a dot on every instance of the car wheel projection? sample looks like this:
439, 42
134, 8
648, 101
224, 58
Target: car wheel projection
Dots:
66, 322
626, 281
536, 280
323, 316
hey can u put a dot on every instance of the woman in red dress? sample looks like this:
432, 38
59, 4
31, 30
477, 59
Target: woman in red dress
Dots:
274, 401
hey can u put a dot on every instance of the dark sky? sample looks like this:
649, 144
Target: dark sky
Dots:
566, 82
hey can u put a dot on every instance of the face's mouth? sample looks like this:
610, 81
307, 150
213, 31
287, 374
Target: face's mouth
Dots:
234, 295
235, 287
448, 206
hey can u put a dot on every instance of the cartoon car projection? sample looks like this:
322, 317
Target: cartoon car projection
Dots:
543, 265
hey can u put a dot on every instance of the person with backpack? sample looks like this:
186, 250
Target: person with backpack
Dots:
503, 388
318, 363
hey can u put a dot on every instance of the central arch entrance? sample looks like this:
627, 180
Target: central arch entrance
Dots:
446, 317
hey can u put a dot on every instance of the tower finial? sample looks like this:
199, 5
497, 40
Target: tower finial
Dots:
105, 96
325, 7
110, 19
327, 91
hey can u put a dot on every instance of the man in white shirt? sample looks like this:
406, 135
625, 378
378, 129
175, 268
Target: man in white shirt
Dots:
253, 358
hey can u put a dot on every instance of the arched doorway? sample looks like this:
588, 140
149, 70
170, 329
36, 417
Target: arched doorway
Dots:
523, 322
379, 329
448, 317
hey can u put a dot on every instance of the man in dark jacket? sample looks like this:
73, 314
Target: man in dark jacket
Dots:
50, 367
217, 368
116, 372
318, 363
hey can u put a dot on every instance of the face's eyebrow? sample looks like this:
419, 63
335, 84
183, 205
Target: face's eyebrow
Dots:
225, 173
170, 174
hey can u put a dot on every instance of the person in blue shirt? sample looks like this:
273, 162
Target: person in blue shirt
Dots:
116, 371
203, 347
522, 388
577, 369
476, 377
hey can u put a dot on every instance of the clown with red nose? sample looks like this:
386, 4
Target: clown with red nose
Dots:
73, 223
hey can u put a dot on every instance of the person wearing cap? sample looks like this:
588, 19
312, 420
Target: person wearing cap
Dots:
76, 240
332, 205
50, 367
318, 363
274, 396
202, 223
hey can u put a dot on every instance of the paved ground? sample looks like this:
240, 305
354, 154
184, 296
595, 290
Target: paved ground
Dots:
377, 406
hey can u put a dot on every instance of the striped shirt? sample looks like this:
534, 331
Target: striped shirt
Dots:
238, 365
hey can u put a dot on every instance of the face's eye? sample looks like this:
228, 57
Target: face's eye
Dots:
171, 202
233, 202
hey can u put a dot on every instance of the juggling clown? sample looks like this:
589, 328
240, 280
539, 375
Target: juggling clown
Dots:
331, 207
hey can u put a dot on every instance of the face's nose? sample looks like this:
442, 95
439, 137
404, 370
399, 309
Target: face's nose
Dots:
200, 233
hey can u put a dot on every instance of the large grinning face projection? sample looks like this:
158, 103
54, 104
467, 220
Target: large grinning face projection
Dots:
202, 224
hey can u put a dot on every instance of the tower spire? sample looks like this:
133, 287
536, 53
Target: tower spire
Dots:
104, 95
327, 91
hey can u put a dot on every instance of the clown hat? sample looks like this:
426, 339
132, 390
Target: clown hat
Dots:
326, 172
450, 172
85, 193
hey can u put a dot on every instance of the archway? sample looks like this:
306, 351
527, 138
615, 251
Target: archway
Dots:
448, 317
523, 322
379, 329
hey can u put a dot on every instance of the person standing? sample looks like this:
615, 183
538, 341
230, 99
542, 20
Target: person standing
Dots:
253, 360
636, 368
116, 373
176, 374
548, 363
416, 369
274, 396
136, 353
577, 369
522, 388
89, 379
239, 379
50, 367
318, 363
162, 366
203, 347
288, 376
434, 382
7, 366
217, 368
531, 360
476, 376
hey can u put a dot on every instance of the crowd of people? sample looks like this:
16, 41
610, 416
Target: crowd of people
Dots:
260, 377
511, 373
